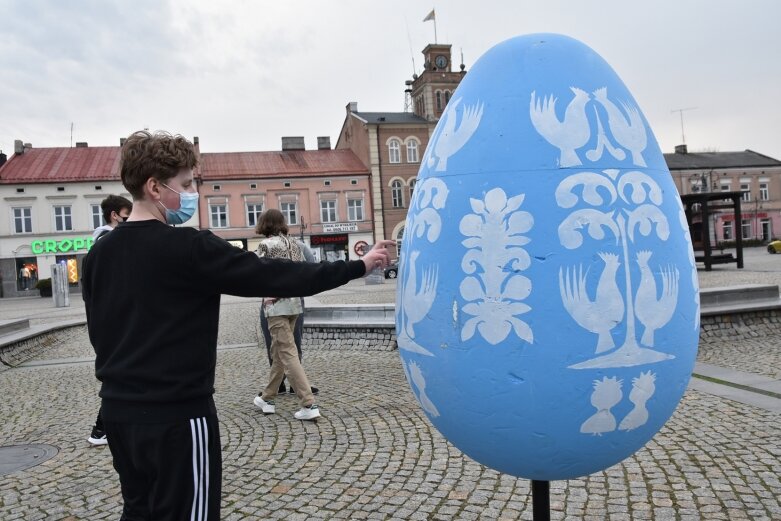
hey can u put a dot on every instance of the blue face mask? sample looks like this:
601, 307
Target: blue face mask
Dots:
188, 203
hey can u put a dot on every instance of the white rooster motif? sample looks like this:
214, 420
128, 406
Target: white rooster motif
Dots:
451, 139
417, 300
413, 303
643, 388
629, 133
416, 377
602, 314
567, 135
607, 393
653, 313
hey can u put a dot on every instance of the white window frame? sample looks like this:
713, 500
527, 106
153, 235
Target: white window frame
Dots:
255, 213
394, 151
764, 191
290, 210
65, 218
727, 230
96, 215
745, 225
397, 194
214, 212
745, 188
328, 212
24, 220
438, 96
355, 209
413, 155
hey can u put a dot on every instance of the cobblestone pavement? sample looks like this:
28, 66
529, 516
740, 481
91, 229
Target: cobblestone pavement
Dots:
374, 455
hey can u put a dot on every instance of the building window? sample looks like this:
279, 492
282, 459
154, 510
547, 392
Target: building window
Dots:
412, 183
327, 182
353, 181
745, 228
253, 186
20, 190
746, 189
253, 213
62, 219
96, 215
328, 211
396, 194
23, 220
727, 230
765, 227
394, 151
764, 193
98, 187
216, 188
60, 188
447, 97
355, 209
289, 211
439, 100
287, 184
218, 214
412, 151
725, 186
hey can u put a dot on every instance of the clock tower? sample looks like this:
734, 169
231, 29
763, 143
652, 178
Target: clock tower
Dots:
431, 91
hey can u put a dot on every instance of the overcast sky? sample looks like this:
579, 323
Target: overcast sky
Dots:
241, 74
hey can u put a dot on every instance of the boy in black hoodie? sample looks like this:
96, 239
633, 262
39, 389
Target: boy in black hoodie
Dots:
154, 329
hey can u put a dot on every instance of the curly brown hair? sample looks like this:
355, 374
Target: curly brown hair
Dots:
271, 222
159, 155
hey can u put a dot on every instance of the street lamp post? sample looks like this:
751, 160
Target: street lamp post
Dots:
303, 227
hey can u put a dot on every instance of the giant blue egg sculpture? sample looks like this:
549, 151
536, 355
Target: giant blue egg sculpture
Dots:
547, 312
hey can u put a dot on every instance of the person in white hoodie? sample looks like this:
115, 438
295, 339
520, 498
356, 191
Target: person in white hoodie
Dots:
116, 209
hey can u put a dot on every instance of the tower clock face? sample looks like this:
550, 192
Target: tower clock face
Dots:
440, 61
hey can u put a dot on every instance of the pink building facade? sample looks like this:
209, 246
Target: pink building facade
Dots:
324, 195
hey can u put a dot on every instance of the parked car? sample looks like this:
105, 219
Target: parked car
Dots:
392, 270
774, 247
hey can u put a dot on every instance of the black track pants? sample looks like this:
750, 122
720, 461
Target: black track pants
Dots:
168, 471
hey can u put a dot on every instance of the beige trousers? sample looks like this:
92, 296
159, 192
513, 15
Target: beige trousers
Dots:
284, 360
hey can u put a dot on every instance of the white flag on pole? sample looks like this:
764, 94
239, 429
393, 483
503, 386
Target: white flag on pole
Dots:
430, 16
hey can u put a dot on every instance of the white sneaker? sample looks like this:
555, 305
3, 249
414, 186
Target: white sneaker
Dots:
266, 406
307, 413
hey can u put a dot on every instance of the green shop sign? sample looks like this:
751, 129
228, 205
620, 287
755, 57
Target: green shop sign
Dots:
61, 246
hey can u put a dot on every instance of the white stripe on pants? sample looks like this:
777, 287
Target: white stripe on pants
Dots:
200, 434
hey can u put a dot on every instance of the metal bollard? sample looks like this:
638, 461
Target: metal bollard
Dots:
60, 287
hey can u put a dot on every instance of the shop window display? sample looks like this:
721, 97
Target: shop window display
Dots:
26, 273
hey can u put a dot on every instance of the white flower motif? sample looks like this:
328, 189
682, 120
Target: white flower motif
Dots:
495, 291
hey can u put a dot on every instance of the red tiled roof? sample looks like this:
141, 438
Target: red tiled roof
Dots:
50, 165
293, 163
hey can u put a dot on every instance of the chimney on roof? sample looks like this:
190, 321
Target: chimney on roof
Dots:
293, 143
18, 147
196, 141
3, 158
81, 144
28, 147
681, 149
324, 142
352, 107
122, 141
